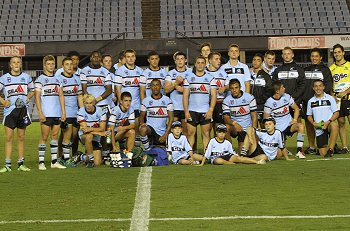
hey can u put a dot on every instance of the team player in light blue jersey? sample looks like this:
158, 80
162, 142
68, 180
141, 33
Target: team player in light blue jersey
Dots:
174, 85
73, 101
75, 56
239, 110
237, 70
157, 111
121, 62
92, 122
267, 144
199, 100
96, 80
49, 101
121, 123
278, 107
18, 89
107, 63
220, 151
153, 72
322, 112
179, 148
220, 77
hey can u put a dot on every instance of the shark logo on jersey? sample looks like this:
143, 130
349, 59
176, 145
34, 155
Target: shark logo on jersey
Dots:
163, 102
23, 79
243, 101
46, 80
285, 101
238, 71
126, 72
102, 73
161, 75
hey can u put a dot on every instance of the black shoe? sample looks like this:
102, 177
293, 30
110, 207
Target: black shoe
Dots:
329, 154
90, 164
344, 151
310, 151
337, 150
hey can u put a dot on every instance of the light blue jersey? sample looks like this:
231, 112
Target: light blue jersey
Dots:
60, 71
216, 149
148, 75
119, 117
199, 86
110, 97
15, 88
321, 109
157, 112
176, 96
270, 143
130, 80
96, 81
49, 87
220, 77
71, 89
92, 120
178, 147
239, 109
279, 109
240, 72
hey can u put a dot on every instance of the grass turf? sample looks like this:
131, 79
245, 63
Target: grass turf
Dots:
278, 188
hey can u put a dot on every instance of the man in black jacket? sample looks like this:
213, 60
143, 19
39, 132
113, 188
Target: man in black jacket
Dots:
261, 85
291, 75
317, 70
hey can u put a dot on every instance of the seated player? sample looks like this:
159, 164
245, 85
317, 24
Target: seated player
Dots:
265, 144
239, 110
122, 123
179, 148
322, 112
157, 110
278, 107
220, 151
92, 122
49, 100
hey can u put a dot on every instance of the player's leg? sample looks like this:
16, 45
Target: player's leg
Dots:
262, 157
205, 135
242, 159
310, 131
299, 128
249, 143
342, 131
55, 129
45, 131
333, 130
184, 162
231, 132
130, 136
20, 148
221, 161
144, 132
8, 149
191, 133
197, 157
87, 140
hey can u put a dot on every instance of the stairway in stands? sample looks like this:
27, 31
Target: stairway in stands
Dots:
150, 19
348, 3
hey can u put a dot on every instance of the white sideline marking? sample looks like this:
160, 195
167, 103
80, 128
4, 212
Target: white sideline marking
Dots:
140, 213
173, 219
340, 158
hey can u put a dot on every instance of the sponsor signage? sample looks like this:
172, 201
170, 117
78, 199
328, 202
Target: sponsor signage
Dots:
9, 50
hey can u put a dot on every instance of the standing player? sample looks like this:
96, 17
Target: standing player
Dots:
266, 144
73, 101
205, 49
17, 88
220, 151
291, 75
107, 63
316, 71
92, 122
278, 107
75, 56
174, 85
239, 109
199, 100
121, 61
96, 80
269, 61
153, 72
122, 123
341, 78
156, 117
237, 70
322, 112
261, 85
220, 77
49, 99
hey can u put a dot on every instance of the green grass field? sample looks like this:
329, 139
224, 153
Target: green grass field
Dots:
209, 197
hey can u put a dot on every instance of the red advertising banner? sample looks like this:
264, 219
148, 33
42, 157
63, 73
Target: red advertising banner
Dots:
9, 50
296, 42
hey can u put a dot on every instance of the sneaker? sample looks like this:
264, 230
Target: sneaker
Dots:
310, 151
329, 154
5, 169
300, 155
344, 150
23, 168
68, 163
337, 150
90, 164
57, 165
42, 167
261, 162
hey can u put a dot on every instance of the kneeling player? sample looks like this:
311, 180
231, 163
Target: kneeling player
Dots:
220, 150
266, 144
322, 112
92, 122
179, 148
122, 123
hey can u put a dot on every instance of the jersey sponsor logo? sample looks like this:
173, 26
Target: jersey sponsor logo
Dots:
268, 144
132, 82
14, 91
219, 83
200, 88
49, 91
159, 112
97, 81
70, 90
240, 111
281, 111
338, 77
179, 149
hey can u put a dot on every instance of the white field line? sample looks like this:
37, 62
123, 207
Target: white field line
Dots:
175, 219
141, 211
340, 158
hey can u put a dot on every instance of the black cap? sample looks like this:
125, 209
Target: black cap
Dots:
176, 124
269, 119
221, 128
